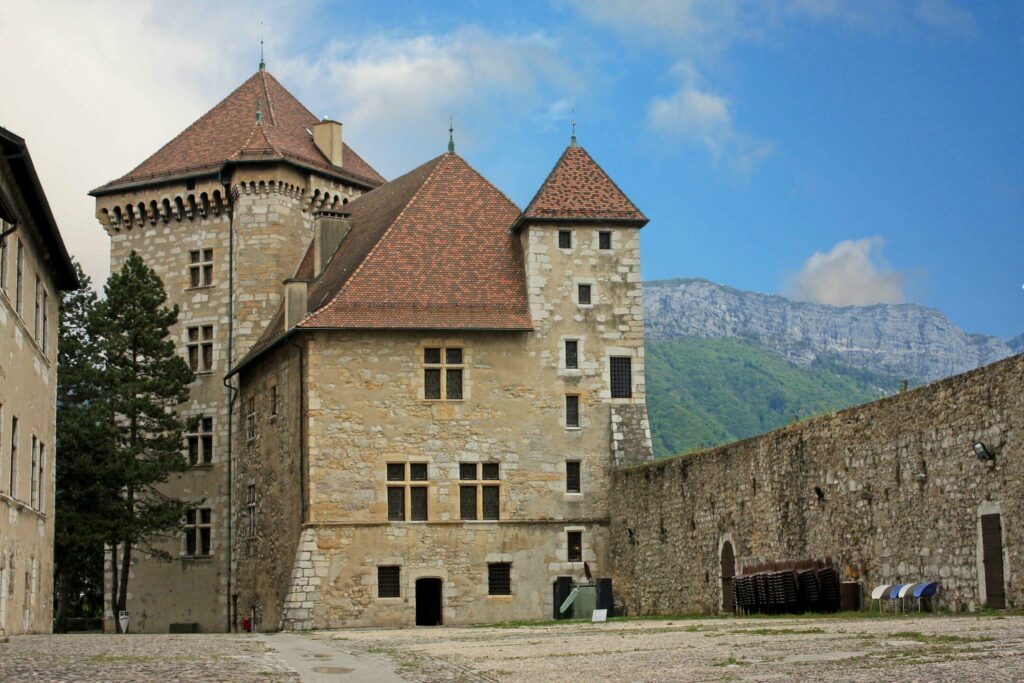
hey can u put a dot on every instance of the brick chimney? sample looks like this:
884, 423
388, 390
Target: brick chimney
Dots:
327, 138
329, 229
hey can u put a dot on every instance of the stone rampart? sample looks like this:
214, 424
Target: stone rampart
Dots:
892, 491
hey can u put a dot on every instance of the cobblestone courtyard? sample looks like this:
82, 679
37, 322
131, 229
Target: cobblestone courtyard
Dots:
963, 648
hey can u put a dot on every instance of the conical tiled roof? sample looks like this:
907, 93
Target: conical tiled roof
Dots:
230, 132
577, 189
429, 250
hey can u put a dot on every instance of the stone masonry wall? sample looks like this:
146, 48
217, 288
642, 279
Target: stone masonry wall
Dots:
891, 491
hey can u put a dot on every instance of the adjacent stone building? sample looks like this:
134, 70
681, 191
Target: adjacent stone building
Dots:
432, 417
34, 269
222, 213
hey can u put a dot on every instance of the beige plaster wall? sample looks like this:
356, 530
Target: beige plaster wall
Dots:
28, 391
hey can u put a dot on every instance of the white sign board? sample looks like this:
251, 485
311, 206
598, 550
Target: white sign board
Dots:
122, 618
599, 615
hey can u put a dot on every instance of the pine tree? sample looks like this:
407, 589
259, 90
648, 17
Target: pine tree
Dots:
83, 479
144, 381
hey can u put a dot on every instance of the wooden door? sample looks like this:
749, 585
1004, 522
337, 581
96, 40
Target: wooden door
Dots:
992, 558
728, 572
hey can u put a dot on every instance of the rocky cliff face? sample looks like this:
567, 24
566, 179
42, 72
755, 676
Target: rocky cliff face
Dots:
901, 340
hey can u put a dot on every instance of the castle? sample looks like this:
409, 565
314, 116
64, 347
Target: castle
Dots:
410, 394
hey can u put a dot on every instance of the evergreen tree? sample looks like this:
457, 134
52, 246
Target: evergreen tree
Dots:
143, 383
82, 501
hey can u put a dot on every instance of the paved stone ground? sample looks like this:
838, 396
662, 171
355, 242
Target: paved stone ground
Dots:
962, 648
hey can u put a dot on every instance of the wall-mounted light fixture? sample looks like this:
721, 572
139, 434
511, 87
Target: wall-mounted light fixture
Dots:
981, 452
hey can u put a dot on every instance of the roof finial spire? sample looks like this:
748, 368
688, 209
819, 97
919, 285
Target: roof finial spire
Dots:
451, 135
572, 139
263, 64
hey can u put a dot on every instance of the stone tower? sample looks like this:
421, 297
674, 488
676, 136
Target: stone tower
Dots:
222, 213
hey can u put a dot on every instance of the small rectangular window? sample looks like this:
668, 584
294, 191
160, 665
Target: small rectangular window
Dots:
418, 503
575, 544
491, 471
201, 268
198, 532
565, 239
200, 348
467, 502
621, 370
38, 320
453, 356
200, 442
572, 411
273, 400
389, 582
467, 471
46, 321
604, 239
572, 476
396, 503
453, 383
42, 477
492, 507
572, 348
250, 506
19, 277
34, 488
432, 356
499, 578
396, 471
12, 488
583, 294
250, 419
418, 471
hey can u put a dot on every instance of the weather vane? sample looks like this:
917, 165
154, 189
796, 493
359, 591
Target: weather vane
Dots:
572, 140
451, 134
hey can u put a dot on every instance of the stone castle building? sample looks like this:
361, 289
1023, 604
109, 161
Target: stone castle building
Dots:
411, 394
34, 269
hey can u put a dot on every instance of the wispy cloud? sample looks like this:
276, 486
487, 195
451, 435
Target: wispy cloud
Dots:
700, 116
851, 274
398, 92
948, 15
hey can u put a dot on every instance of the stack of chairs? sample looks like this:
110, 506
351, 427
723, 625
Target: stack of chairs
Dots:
791, 587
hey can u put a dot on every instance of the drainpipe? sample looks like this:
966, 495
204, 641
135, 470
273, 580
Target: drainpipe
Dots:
302, 431
231, 389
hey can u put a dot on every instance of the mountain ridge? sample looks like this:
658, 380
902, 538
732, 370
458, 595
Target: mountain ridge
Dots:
907, 340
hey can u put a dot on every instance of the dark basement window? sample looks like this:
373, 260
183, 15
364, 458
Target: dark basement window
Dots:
499, 578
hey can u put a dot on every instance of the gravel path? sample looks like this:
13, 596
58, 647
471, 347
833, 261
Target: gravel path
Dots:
918, 648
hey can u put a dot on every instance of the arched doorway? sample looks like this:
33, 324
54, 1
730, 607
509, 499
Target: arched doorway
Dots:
728, 572
429, 602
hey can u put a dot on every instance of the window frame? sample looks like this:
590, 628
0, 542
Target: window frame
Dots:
202, 533
601, 240
444, 367
574, 551
568, 234
590, 293
572, 477
482, 487
19, 279
499, 579
395, 580
250, 419
411, 489
200, 268
575, 342
199, 348
574, 401
615, 377
202, 436
12, 474
33, 495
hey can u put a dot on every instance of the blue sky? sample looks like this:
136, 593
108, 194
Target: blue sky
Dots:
840, 152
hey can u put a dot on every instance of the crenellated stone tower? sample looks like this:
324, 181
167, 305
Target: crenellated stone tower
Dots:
222, 213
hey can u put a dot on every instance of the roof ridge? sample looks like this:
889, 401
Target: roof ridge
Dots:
610, 179
374, 249
486, 180
266, 96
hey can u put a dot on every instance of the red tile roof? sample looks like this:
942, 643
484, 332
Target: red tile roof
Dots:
577, 189
229, 132
429, 250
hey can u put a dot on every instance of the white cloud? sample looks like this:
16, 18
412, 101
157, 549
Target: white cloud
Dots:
398, 92
703, 117
948, 15
851, 274
96, 87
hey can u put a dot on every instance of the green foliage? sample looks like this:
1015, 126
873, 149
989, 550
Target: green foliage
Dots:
704, 392
119, 433
83, 476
